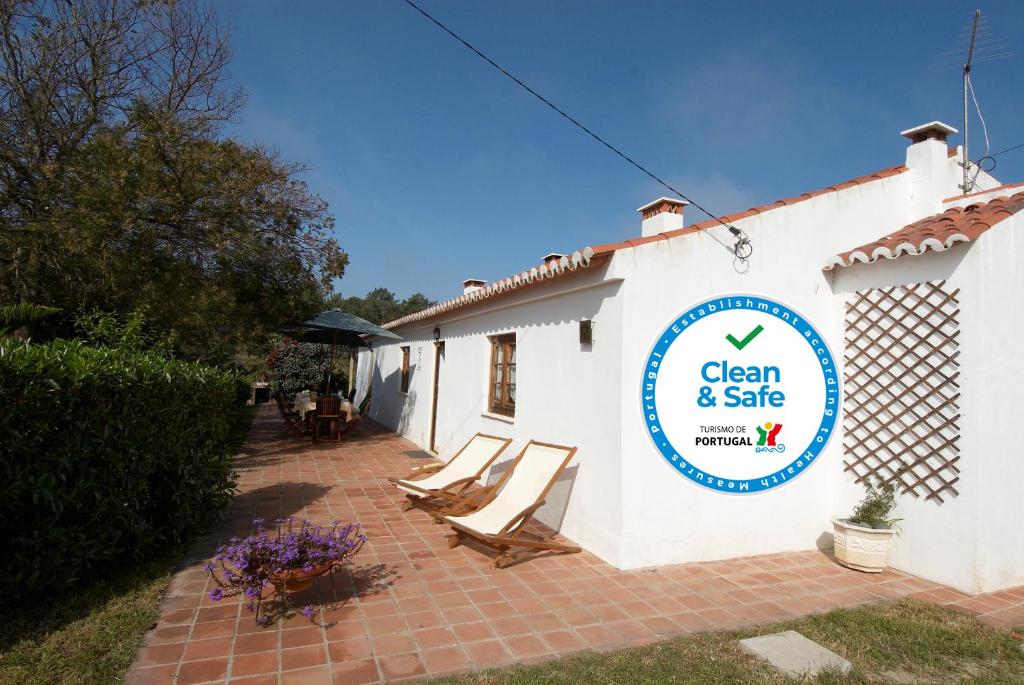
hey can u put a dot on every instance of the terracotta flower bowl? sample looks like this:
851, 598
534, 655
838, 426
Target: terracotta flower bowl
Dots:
297, 580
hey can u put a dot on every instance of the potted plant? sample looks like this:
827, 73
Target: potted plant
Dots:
289, 560
862, 541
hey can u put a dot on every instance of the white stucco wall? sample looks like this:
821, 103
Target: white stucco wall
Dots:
1000, 285
627, 505
938, 540
566, 393
681, 521
974, 541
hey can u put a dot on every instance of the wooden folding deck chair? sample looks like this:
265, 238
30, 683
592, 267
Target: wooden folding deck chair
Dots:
445, 484
292, 422
497, 515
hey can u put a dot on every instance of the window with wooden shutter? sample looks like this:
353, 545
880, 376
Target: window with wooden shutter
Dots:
502, 389
405, 369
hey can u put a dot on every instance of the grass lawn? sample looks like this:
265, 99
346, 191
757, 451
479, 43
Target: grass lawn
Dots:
89, 636
901, 643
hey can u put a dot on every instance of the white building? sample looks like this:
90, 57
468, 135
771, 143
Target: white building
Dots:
915, 289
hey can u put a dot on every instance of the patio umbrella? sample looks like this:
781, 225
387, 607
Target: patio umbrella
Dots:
335, 326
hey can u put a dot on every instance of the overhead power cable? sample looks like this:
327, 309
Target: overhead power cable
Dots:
742, 250
1009, 149
991, 159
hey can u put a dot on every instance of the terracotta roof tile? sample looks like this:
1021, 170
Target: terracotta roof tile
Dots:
937, 233
587, 257
760, 209
1003, 187
554, 268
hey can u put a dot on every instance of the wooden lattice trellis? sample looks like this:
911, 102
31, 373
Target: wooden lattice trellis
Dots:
901, 386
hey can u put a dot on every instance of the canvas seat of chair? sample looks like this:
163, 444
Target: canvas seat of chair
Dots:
530, 479
469, 462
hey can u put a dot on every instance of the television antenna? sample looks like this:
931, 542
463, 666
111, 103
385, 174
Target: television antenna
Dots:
977, 41
967, 86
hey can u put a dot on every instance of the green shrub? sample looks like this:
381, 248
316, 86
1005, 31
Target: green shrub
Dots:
296, 366
107, 456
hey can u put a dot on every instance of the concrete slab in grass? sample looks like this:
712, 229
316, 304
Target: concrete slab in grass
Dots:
794, 655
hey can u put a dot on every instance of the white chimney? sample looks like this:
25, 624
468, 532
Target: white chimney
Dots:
932, 172
471, 285
664, 214
551, 256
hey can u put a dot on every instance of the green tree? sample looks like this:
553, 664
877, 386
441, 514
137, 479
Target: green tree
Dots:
380, 305
118, 193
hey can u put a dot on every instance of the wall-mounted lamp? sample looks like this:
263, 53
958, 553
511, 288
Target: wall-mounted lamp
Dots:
586, 332
437, 333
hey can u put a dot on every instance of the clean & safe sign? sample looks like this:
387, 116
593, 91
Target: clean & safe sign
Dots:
740, 393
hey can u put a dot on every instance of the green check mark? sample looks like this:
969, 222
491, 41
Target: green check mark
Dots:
740, 344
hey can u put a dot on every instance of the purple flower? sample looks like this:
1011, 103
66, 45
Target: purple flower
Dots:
209, 567
216, 594
307, 611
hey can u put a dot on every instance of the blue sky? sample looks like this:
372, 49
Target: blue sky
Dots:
437, 168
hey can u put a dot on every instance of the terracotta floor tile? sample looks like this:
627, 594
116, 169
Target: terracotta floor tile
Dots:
386, 645
525, 646
563, 641
265, 679
158, 655
507, 627
401, 666
152, 675
167, 635
301, 637
349, 630
254, 664
349, 649
303, 657
446, 660
545, 622
434, 637
203, 671
359, 672
318, 675
196, 650
257, 642
424, 619
218, 613
660, 625
178, 617
488, 653
386, 624
455, 615
212, 629
472, 632
597, 635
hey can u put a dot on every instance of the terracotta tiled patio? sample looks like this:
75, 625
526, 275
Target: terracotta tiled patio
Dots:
411, 608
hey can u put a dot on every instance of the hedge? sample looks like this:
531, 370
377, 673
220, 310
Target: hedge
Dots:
106, 456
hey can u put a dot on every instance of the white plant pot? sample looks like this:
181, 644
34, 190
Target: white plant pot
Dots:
860, 547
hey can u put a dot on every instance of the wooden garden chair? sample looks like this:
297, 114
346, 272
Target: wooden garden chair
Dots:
292, 422
354, 417
328, 410
497, 515
446, 484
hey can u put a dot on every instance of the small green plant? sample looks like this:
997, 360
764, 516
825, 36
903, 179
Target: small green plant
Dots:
16, 316
129, 332
879, 501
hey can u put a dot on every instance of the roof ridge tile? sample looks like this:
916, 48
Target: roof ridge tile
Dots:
936, 233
